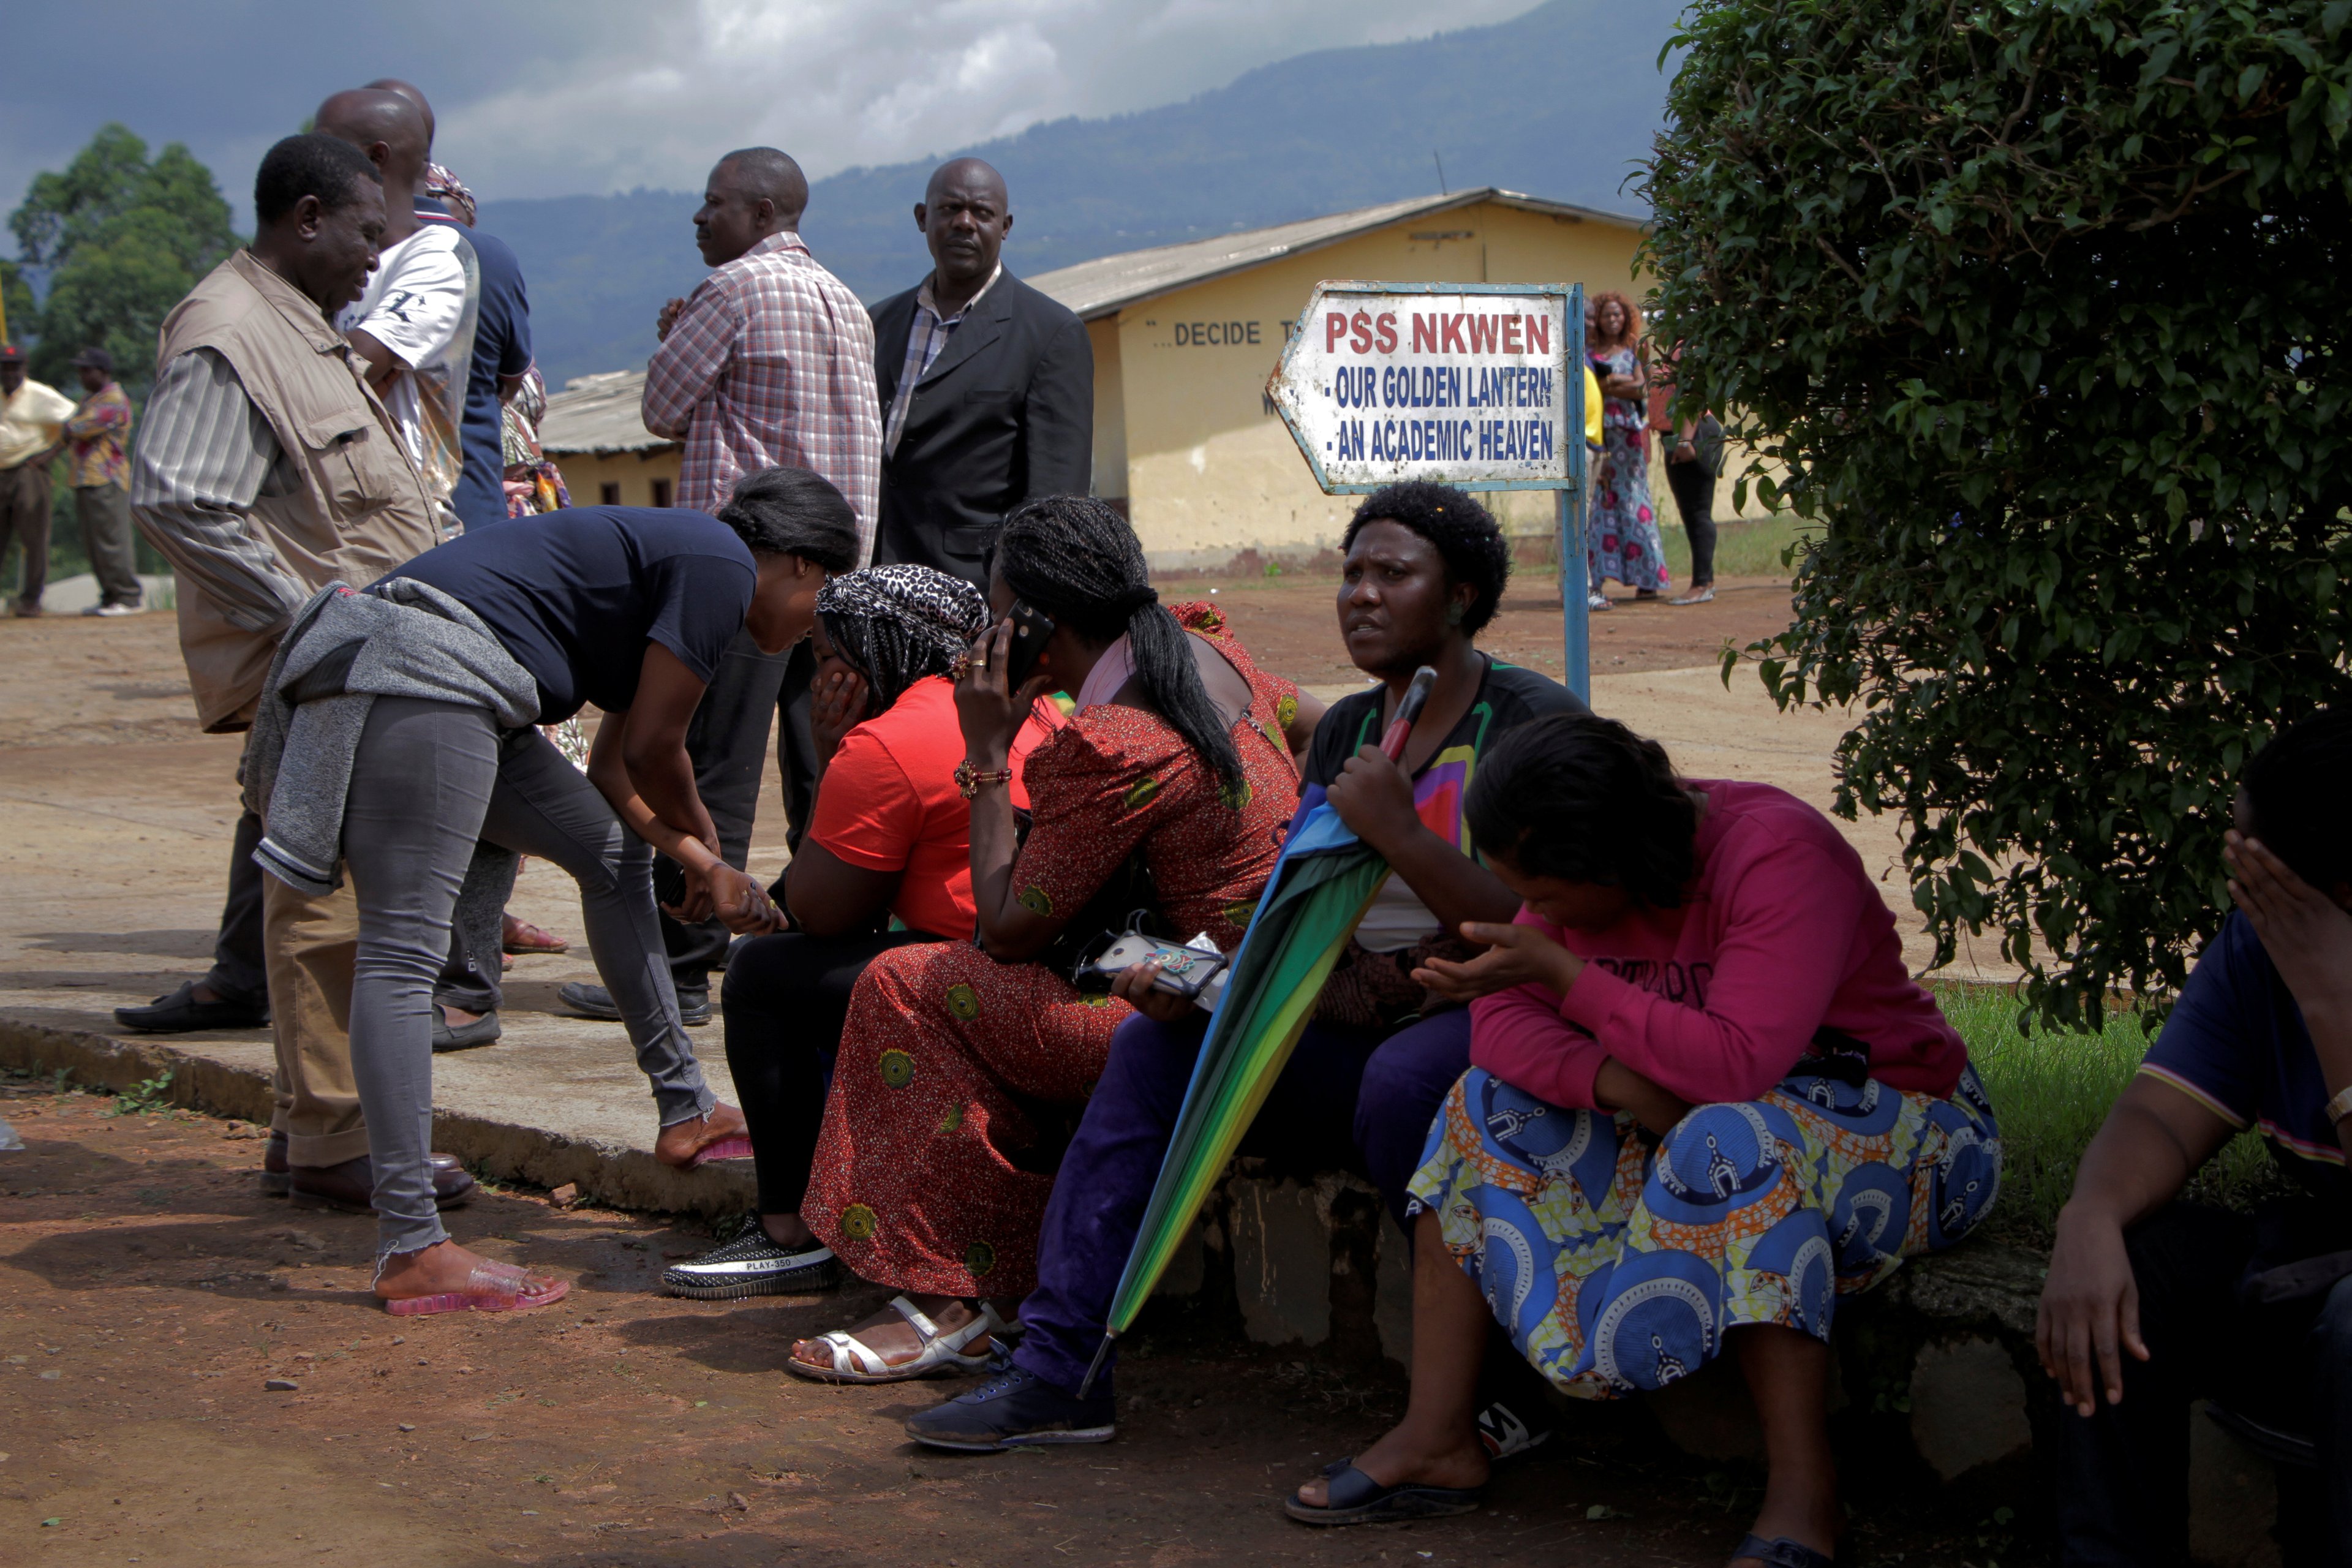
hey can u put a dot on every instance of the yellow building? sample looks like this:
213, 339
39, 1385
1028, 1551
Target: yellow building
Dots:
1184, 338
1186, 335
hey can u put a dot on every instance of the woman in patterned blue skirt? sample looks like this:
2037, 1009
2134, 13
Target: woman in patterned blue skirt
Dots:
1705, 1100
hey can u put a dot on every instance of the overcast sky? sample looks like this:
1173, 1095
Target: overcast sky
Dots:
544, 97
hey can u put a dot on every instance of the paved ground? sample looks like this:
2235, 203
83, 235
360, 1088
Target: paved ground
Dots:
147, 1293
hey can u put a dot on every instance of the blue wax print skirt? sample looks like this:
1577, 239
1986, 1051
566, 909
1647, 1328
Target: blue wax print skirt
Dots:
1617, 1261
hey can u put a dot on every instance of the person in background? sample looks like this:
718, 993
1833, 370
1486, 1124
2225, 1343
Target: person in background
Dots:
769, 362
98, 459
987, 387
1707, 1098
1694, 459
32, 424
1622, 533
533, 484
1425, 571
233, 483
886, 862
2153, 1300
415, 323
959, 1059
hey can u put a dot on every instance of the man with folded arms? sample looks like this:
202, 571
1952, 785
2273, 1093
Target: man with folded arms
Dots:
267, 471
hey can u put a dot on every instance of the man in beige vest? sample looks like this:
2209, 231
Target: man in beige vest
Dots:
268, 470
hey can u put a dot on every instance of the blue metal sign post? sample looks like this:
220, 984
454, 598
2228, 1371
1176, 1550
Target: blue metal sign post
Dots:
1479, 386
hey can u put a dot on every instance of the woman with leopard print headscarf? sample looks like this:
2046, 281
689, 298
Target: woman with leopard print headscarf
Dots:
886, 863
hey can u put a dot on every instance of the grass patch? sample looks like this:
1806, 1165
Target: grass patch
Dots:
2051, 1091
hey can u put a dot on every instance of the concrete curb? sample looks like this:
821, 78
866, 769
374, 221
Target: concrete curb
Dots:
605, 1172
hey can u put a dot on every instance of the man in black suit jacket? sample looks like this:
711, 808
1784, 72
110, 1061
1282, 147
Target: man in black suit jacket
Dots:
987, 387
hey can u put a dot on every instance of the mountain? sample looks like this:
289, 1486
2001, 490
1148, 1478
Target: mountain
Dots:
1559, 103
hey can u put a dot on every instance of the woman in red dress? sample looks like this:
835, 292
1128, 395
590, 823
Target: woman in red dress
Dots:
959, 1062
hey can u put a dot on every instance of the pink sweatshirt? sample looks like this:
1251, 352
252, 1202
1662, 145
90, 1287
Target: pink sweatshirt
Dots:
1781, 934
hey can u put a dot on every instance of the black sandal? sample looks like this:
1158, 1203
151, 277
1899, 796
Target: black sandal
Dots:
1782, 1552
1355, 1498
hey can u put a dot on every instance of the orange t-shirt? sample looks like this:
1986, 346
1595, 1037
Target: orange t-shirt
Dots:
889, 803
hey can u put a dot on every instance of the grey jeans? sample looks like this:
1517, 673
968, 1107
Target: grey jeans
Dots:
428, 780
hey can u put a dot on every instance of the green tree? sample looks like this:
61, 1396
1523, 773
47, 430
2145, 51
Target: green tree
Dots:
124, 239
2038, 308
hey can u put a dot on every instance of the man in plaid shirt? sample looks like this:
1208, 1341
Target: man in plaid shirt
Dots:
769, 363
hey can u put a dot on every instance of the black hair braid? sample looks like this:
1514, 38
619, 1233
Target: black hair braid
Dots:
1077, 561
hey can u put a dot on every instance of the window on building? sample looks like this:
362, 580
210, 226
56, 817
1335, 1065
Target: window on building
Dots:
608, 494
661, 492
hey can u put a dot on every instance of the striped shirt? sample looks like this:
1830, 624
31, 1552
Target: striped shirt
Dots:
926, 336
207, 455
770, 364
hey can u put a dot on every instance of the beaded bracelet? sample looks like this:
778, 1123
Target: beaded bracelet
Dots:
970, 781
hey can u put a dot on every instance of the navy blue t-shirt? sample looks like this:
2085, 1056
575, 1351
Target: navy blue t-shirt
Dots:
501, 348
2236, 1043
575, 596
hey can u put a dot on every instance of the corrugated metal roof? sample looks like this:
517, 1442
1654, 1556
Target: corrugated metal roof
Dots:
1097, 287
599, 414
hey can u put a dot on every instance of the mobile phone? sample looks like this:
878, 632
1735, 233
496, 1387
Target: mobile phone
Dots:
1183, 969
1031, 627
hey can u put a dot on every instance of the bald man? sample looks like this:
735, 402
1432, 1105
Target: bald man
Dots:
413, 324
987, 387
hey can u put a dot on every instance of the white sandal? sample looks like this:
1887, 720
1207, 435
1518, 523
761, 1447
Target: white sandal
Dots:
855, 1361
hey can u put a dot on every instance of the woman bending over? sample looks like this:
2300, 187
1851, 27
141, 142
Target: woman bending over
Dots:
1705, 1099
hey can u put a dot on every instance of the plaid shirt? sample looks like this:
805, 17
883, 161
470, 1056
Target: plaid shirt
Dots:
770, 364
926, 336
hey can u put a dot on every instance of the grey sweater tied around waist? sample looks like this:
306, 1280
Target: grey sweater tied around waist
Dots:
345, 650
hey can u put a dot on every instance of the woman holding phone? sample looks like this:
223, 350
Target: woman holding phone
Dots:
961, 1065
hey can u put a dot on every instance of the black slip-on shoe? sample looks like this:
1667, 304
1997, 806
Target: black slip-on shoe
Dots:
596, 1002
179, 1012
755, 1265
482, 1031
1016, 1410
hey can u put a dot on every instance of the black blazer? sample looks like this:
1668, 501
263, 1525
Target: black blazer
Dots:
1007, 412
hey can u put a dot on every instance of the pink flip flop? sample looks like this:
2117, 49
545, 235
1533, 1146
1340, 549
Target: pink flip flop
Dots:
725, 1148
490, 1288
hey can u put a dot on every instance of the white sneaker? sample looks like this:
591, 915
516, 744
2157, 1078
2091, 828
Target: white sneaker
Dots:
112, 610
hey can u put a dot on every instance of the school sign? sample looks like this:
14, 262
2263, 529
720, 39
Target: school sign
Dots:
1479, 386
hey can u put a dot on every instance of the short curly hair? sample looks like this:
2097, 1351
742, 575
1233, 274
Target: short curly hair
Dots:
1462, 533
2292, 784
1585, 799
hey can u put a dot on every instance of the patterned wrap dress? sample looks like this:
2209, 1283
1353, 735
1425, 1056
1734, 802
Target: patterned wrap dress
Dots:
932, 1174
1624, 529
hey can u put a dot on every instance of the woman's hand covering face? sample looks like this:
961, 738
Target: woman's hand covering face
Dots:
2306, 935
837, 703
989, 715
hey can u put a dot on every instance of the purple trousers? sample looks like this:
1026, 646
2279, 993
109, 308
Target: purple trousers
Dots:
1349, 1098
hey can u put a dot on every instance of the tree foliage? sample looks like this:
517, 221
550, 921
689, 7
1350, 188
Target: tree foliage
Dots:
2038, 307
124, 239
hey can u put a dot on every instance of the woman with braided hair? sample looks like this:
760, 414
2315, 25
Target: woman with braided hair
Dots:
962, 1065
885, 865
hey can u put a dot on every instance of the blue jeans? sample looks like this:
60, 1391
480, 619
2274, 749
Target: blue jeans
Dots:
1348, 1098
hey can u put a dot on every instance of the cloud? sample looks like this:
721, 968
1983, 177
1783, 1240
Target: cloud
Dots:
541, 98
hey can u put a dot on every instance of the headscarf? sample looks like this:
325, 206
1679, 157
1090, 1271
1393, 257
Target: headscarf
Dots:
450, 192
898, 624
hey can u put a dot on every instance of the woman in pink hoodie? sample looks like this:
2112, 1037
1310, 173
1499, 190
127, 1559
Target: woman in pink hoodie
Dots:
1705, 1099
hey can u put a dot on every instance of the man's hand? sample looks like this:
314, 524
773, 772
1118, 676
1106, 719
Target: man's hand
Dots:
1515, 955
1133, 986
1374, 798
836, 705
2090, 1308
668, 319
2307, 937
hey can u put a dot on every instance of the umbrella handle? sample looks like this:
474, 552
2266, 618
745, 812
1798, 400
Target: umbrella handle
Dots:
1399, 729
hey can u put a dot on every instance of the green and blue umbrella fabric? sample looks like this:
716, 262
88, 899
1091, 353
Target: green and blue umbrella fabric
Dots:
1320, 887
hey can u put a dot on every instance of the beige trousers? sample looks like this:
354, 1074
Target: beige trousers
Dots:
309, 944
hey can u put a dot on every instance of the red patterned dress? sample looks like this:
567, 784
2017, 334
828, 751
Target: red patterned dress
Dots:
927, 1175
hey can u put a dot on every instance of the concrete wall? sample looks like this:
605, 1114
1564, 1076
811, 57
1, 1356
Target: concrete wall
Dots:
586, 473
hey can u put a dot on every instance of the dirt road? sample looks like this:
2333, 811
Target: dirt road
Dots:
148, 1295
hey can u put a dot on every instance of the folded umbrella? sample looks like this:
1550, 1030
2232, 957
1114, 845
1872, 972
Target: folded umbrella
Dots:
1322, 884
